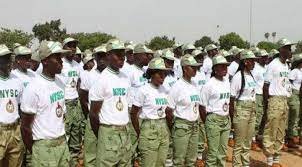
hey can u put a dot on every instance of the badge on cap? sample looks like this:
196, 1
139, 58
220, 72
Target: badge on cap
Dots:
119, 104
59, 110
225, 107
10, 106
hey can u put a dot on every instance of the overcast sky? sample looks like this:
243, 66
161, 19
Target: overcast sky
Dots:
140, 20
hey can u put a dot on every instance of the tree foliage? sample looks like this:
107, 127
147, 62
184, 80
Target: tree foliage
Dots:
161, 42
9, 37
203, 41
49, 31
299, 47
268, 46
232, 39
91, 40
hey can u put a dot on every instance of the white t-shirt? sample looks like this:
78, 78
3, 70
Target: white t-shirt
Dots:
215, 96
32, 73
88, 78
296, 76
169, 81
232, 68
112, 89
127, 69
45, 99
199, 80
185, 100
10, 92
177, 68
153, 101
137, 80
70, 75
249, 91
277, 76
258, 74
24, 77
207, 67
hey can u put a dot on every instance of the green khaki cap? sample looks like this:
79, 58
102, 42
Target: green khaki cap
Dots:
4, 50
219, 59
87, 56
210, 47
22, 50
15, 45
129, 45
225, 53
141, 48
99, 49
87, 52
261, 53
69, 39
235, 51
247, 54
297, 57
168, 54
255, 50
273, 52
48, 48
284, 42
196, 52
158, 53
115, 44
188, 60
200, 48
35, 56
176, 45
188, 46
78, 51
157, 63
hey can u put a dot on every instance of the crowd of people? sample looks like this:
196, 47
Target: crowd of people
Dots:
123, 104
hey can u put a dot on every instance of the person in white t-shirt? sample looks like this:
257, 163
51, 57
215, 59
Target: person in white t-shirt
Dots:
177, 67
12, 148
233, 67
295, 77
211, 50
34, 63
276, 90
185, 100
171, 78
150, 104
243, 93
258, 74
109, 110
87, 80
127, 68
215, 99
43, 109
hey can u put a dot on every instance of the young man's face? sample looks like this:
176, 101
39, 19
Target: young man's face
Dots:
53, 63
5, 64
116, 58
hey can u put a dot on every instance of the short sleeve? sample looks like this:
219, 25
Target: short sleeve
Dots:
268, 75
205, 95
97, 91
293, 75
139, 98
173, 96
30, 100
236, 85
84, 80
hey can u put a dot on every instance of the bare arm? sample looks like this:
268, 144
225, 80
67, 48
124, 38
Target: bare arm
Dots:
169, 117
83, 94
26, 130
95, 108
202, 113
134, 118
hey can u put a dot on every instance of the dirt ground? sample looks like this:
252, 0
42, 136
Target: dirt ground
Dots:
291, 158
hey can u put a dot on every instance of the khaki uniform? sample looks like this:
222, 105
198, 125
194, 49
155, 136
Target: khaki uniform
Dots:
259, 113
90, 146
294, 114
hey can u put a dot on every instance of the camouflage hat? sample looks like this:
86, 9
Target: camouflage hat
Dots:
188, 60
129, 45
210, 47
48, 48
261, 53
15, 45
157, 63
158, 53
35, 56
87, 56
247, 54
115, 44
141, 48
284, 42
235, 51
78, 51
22, 50
4, 50
168, 54
187, 46
273, 52
224, 53
99, 49
255, 50
176, 45
200, 48
69, 39
219, 59
196, 52
297, 57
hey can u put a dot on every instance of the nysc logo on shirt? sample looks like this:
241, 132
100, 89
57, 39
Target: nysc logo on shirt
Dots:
251, 84
56, 96
284, 74
72, 74
119, 91
6, 93
142, 79
194, 98
161, 101
201, 82
224, 96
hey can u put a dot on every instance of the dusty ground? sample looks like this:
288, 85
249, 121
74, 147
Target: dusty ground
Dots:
292, 158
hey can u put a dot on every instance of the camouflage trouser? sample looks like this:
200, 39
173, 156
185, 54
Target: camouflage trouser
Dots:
114, 146
11, 146
201, 141
244, 127
51, 153
294, 114
27, 162
74, 119
153, 143
274, 131
217, 132
259, 114
90, 146
185, 141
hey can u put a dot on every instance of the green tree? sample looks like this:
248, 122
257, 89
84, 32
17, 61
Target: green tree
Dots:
268, 46
161, 42
203, 41
232, 39
49, 31
91, 40
9, 37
